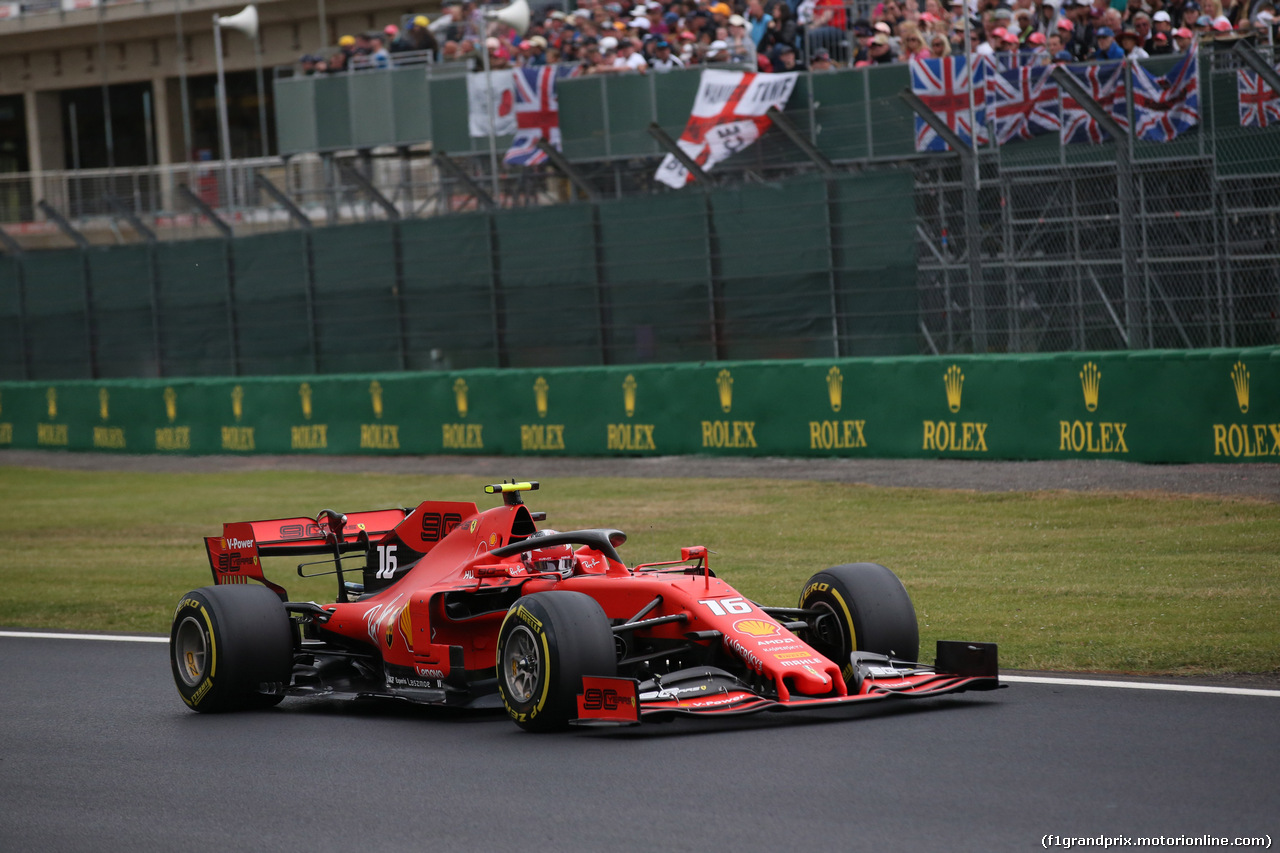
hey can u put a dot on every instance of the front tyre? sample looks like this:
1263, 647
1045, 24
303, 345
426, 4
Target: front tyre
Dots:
231, 648
860, 607
547, 643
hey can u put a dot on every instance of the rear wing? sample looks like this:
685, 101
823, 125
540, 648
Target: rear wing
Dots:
234, 557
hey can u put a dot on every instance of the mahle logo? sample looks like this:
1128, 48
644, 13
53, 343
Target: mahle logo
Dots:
953, 379
460, 396
304, 391
51, 397
375, 393
104, 400
629, 395
1240, 381
724, 383
540, 396
171, 404
1090, 379
237, 402
835, 388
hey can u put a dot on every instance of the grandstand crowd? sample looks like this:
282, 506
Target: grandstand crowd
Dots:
651, 36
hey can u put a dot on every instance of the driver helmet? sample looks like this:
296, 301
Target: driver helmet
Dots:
553, 558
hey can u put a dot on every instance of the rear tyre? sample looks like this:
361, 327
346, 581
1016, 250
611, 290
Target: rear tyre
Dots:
547, 643
231, 648
861, 607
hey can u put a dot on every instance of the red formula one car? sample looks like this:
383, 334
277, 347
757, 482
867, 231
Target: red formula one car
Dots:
480, 609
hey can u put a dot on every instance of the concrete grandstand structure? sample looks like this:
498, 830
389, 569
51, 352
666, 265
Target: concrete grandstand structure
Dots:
119, 65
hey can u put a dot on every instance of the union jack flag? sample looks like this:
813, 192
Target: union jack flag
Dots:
1166, 106
1103, 83
944, 86
537, 112
1259, 103
1022, 103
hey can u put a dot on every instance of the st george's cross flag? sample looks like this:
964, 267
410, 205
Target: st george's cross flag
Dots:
728, 115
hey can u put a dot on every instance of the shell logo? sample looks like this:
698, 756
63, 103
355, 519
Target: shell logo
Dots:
755, 627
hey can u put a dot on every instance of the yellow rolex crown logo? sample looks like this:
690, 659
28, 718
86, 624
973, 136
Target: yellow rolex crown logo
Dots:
1090, 377
1240, 379
835, 387
51, 397
375, 393
104, 399
171, 404
540, 396
304, 391
629, 394
954, 381
237, 402
460, 396
724, 381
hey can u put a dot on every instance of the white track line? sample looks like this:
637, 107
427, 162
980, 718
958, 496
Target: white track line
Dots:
1013, 679
114, 638
1140, 685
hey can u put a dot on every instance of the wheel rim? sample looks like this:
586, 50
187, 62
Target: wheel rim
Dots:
190, 651
520, 664
828, 637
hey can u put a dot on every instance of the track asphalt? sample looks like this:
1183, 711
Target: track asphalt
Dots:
97, 753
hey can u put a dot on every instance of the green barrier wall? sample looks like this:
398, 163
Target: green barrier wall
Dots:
1155, 406
795, 269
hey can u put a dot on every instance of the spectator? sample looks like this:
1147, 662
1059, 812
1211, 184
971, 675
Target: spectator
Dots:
780, 30
878, 52
1162, 23
378, 56
1190, 12
629, 59
821, 62
1035, 52
1142, 26
449, 26
912, 45
785, 59
418, 38
1183, 39
741, 48
939, 46
1066, 32
1107, 47
827, 30
1161, 45
308, 64
1131, 44
758, 22
663, 60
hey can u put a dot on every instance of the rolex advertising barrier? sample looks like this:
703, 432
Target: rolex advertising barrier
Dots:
1150, 406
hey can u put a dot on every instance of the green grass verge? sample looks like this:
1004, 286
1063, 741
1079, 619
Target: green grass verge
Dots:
1061, 580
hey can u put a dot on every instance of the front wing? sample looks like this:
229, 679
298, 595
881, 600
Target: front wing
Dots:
625, 701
